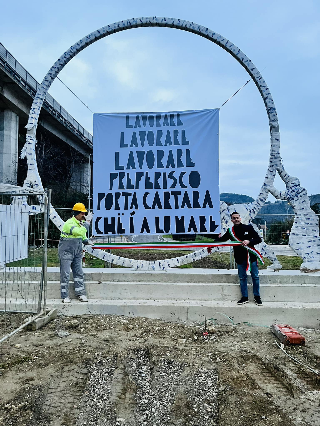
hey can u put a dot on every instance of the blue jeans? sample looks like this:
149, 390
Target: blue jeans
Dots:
243, 278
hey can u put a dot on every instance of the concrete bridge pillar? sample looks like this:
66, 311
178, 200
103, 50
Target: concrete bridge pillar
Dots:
80, 180
9, 129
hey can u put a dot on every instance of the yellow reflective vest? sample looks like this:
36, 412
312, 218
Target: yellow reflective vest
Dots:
73, 228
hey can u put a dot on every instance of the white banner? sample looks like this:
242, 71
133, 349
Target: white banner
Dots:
156, 173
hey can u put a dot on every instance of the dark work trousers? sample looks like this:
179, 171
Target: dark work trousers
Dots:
70, 255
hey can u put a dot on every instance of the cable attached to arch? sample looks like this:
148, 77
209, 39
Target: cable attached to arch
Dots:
75, 95
236, 93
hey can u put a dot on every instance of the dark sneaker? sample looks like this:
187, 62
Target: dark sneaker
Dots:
242, 301
257, 299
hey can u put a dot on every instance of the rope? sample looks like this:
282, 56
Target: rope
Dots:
214, 319
281, 346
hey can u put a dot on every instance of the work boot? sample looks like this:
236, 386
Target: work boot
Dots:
66, 300
83, 298
258, 301
242, 301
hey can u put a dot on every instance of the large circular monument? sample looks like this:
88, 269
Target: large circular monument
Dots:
294, 193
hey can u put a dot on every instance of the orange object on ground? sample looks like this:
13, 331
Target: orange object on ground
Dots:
287, 334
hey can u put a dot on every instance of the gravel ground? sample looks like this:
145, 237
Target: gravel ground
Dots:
108, 370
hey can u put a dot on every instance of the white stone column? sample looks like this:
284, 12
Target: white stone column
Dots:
9, 129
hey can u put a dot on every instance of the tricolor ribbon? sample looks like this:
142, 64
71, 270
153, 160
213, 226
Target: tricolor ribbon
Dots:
161, 245
249, 249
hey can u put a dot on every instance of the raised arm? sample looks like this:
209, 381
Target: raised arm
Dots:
279, 195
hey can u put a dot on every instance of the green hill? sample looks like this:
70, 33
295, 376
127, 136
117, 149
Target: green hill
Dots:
281, 208
231, 198
314, 199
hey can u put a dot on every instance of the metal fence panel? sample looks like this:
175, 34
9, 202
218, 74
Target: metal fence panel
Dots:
23, 235
64, 113
3, 51
49, 99
11, 60
32, 82
14, 233
21, 71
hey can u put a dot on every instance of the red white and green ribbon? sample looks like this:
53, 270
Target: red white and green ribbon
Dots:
161, 245
167, 263
249, 249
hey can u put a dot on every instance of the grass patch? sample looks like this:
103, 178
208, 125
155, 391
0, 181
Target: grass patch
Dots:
35, 257
202, 239
290, 262
213, 261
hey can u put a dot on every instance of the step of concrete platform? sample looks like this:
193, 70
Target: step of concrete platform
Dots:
175, 275
187, 295
296, 314
305, 293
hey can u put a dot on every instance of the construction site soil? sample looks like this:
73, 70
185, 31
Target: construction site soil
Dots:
109, 370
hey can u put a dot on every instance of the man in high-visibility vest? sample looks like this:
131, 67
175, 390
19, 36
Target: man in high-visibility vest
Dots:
73, 235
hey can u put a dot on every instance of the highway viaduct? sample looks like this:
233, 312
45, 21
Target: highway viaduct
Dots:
64, 146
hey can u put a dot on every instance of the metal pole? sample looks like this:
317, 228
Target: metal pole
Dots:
89, 195
29, 321
265, 230
44, 276
46, 232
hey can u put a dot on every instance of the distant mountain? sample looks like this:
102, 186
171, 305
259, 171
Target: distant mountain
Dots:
314, 199
231, 198
281, 208
277, 208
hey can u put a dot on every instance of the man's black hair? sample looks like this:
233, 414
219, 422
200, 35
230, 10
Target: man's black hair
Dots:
75, 213
234, 213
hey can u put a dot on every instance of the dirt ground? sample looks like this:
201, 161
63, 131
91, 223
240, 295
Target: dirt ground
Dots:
117, 371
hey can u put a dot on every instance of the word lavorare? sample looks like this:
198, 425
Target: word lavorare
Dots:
151, 138
160, 159
165, 225
167, 200
158, 120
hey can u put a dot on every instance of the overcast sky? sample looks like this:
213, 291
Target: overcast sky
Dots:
162, 69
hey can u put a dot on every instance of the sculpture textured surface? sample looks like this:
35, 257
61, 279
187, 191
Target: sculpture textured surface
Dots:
304, 236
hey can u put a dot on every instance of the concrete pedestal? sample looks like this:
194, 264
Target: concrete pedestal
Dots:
81, 178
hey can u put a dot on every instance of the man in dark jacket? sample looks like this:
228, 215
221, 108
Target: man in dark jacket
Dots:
248, 237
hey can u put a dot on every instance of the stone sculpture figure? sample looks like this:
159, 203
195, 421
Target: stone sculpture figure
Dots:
304, 236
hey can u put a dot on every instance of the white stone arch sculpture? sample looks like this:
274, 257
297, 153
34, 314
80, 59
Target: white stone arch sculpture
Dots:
304, 236
33, 179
